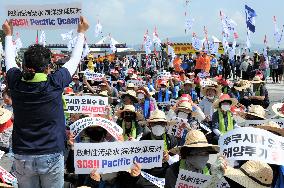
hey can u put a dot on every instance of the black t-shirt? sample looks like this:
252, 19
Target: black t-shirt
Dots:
39, 122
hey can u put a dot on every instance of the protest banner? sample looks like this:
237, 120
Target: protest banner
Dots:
249, 143
159, 182
164, 75
86, 104
111, 127
188, 179
137, 83
7, 177
205, 83
252, 123
109, 157
49, 16
94, 76
183, 49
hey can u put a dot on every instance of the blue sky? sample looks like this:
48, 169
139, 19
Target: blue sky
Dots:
127, 20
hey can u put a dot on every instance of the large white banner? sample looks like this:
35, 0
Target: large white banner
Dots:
249, 143
111, 127
86, 104
188, 179
110, 157
49, 16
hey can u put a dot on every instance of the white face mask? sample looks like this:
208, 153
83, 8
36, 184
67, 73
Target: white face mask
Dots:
182, 115
158, 130
108, 177
225, 107
210, 98
140, 96
198, 162
163, 89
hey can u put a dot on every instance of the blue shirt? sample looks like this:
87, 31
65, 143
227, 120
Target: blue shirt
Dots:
39, 125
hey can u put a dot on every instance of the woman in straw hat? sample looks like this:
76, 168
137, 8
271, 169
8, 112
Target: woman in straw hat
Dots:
6, 128
194, 156
260, 93
121, 179
146, 101
128, 119
157, 123
189, 88
210, 93
222, 119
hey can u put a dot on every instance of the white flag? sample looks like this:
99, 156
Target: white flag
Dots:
86, 50
67, 36
156, 39
229, 25
112, 45
196, 43
98, 29
225, 43
42, 38
147, 43
71, 43
188, 24
171, 51
277, 34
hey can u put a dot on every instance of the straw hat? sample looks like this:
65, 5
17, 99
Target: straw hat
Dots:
129, 108
104, 93
256, 80
225, 97
242, 84
157, 116
252, 174
214, 87
130, 85
256, 110
272, 126
5, 115
131, 94
196, 139
185, 106
278, 109
4, 185
191, 82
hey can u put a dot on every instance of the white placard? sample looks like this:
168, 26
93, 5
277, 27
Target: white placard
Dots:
86, 104
111, 127
252, 123
164, 75
179, 128
159, 182
94, 76
110, 157
205, 83
49, 16
188, 179
249, 143
7, 177
163, 104
137, 83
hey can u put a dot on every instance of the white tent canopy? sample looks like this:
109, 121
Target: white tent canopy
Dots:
106, 40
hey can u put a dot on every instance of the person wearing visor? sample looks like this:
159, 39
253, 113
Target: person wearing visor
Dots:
222, 119
157, 124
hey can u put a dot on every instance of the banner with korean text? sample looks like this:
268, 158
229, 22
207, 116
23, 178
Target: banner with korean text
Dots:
188, 179
49, 16
94, 76
86, 104
109, 157
249, 143
111, 127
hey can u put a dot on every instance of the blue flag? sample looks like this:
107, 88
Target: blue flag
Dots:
250, 18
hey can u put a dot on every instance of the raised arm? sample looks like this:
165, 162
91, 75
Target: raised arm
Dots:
74, 61
9, 49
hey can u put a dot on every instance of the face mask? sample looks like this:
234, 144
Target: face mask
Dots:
210, 98
225, 107
158, 130
108, 177
182, 115
163, 89
140, 96
198, 162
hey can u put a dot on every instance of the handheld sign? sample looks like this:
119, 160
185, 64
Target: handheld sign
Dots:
86, 104
94, 76
50, 16
190, 179
249, 143
137, 83
163, 75
109, 157
111, 127
7, 177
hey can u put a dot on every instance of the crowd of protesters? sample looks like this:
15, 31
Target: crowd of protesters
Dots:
35, 130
